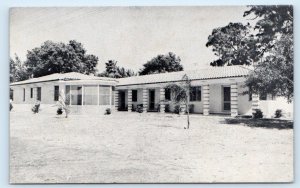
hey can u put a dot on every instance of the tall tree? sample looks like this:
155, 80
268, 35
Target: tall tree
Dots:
114, 71
17, 69
268, 46
233, 45
162, 63
274, 71
59, 57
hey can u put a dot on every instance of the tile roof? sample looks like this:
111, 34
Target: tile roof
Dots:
200, 74
63, 76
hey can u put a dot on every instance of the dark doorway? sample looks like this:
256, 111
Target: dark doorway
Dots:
226, 94
39, 93
79, 93
122, 100
151, 99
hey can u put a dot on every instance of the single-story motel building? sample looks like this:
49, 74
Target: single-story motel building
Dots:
215, 90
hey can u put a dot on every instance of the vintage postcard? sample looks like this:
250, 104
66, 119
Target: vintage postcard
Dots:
191, 94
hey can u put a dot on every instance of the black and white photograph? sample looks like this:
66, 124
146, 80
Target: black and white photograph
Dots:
151, 94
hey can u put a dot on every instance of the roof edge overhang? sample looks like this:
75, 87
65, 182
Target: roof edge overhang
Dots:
61, 80
241, 76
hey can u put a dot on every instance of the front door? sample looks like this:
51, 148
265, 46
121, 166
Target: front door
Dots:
151, 99
226, 98
79, 95
122, 100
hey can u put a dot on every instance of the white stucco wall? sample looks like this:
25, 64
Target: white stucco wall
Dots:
244, 105
268, 107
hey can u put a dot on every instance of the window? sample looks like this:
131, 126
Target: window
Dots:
263, 96
56, 93
76, 95
104, 95
90, 95
168, 94
226, 98
195, 94
23, 94
31, 92
273, 97
134, 95
250, 96
39, 94
11, 94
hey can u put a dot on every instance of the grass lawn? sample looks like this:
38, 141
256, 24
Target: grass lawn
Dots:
153, 147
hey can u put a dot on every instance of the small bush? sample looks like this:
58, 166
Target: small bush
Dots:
107, 111
139, 108
191, 108
278, 113
177, 109
35, 109
258, 114
59, 111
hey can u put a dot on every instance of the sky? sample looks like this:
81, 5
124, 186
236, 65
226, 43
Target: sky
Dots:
130, 35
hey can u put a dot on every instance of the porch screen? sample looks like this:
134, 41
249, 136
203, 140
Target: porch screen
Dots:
104, 95
76, 95
90, 95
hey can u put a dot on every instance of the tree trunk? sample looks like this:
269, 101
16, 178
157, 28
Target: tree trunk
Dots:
188, 115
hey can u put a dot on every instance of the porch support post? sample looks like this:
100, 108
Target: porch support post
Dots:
145, 100
116, 94
234, 100
206, 100
162, 100
255, 102
129, 100
98, 94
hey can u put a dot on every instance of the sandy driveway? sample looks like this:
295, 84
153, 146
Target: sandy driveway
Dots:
132, 147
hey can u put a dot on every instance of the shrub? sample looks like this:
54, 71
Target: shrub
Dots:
278, 113
59, 111
257, 114
107, 111
36, 107
139, 108
176, 109
191, 108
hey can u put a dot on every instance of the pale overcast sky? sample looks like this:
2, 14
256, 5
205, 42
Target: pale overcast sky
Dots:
130, 35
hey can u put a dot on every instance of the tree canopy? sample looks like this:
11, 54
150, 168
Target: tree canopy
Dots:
114, 71
18, 71
273, 73
59, 57
268, 46
162, 63
233, 45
